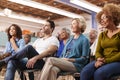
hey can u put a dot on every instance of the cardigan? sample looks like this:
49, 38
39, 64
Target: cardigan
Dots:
80, 51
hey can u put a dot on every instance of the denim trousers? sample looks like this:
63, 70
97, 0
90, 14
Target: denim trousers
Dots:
10, 71
102, 73
21, 65
15, 61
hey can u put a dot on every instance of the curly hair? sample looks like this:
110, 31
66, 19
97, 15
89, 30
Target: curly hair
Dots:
112, 11
82, 23
18, 32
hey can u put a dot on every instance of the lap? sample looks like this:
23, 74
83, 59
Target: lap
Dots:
62, 64
111, 68
21, 64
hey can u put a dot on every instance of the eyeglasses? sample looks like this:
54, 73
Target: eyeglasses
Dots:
104, 18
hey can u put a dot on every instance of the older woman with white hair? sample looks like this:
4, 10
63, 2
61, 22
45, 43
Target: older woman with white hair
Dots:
74, 55
64, 35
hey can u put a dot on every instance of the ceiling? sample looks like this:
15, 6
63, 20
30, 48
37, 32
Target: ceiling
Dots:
37, 13
101, 3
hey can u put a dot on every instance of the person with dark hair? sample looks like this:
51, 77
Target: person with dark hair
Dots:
107, 53
74, 56
14, 44
42, 48
27, 38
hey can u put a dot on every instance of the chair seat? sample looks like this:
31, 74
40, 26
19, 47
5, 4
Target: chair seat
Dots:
31, 70
116, 77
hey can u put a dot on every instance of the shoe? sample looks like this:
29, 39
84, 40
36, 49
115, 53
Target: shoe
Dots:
2, 63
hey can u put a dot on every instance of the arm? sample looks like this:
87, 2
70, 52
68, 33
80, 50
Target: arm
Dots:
114, 58
14, 46
85, 51
99, 49
51, 49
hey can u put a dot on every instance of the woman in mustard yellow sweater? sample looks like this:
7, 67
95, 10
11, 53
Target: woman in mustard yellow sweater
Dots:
107, 54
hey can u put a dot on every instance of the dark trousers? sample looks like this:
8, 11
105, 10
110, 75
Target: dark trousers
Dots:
27, 52
102, 73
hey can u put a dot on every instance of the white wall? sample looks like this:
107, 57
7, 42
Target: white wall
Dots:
66, 22
5, 22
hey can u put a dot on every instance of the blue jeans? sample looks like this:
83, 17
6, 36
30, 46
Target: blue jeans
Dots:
11, 69
102, 73
15, 61
21, 65
13, 65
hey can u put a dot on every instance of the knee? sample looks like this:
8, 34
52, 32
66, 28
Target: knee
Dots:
10, 65
55, 69
88, 69
29, 46
84, 72
98, 73
50, 60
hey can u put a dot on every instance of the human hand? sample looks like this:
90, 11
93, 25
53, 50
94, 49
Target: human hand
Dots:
31, 62
12, 40
67, 59
101, 59
99, 62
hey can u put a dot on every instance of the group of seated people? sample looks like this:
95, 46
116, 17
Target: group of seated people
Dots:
73, 50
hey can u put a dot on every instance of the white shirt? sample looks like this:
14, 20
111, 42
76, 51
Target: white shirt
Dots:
42, 44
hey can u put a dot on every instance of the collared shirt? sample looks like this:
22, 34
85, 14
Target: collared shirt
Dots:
108, 48
20, 43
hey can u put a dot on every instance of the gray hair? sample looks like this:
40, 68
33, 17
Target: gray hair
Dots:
67, 30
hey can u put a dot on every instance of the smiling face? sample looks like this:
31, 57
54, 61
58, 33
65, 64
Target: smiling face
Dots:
104, 21
46, 28
75, 26
41, 33
12, 31
93, 34
63, 34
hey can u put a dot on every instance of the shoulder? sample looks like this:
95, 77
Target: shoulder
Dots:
21, 41
103, 33
84, 38
53, 38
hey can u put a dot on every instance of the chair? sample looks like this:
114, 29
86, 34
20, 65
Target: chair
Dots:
35, 71
75, 75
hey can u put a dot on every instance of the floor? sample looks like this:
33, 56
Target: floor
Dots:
2, 76
36, 74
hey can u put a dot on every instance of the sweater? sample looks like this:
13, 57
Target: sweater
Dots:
79, 51
108, 48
